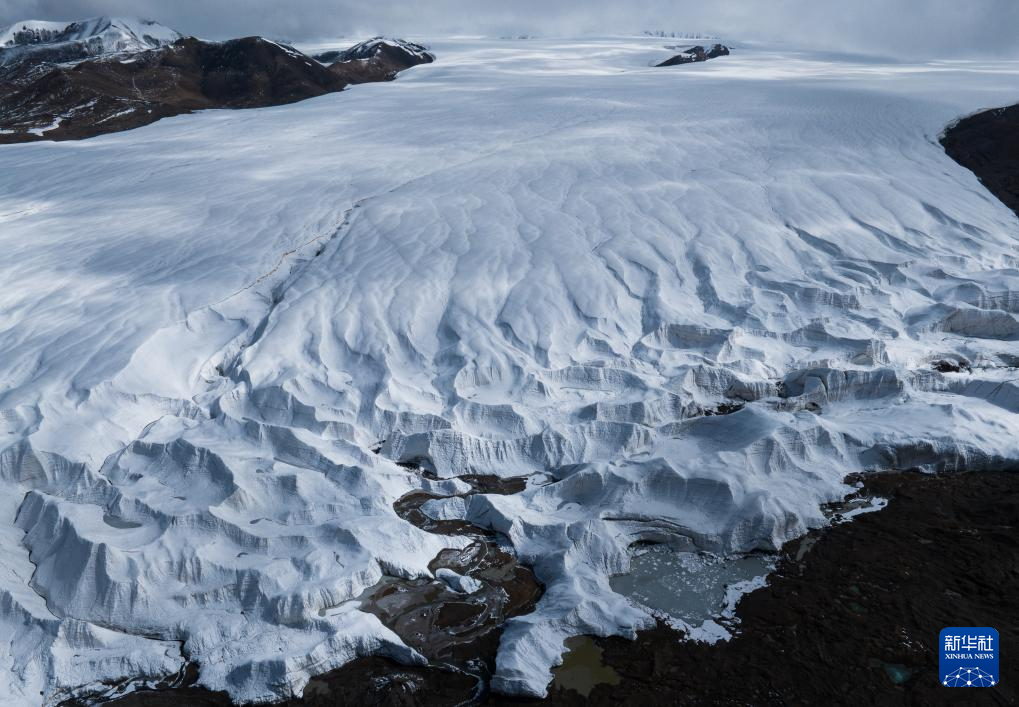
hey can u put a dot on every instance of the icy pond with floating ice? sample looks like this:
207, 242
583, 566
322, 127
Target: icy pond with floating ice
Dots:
689, 588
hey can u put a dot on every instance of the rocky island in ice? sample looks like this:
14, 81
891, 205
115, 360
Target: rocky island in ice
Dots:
220, 333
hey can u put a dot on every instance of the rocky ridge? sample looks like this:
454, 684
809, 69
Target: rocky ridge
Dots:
694, 54
45, 96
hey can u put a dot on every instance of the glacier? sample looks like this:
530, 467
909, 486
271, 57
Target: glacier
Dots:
532, 257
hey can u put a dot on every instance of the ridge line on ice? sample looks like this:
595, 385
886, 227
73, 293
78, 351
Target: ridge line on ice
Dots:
30, 582
332, 233
278, 292
342, 221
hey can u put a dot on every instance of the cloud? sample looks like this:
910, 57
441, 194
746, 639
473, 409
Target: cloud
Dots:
903, 27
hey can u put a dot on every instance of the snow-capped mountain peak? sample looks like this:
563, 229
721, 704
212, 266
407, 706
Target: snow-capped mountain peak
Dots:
72, 41
370, 48
30, 32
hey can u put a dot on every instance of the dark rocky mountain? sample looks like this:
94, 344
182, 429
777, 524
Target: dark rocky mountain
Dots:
377, 59
41, 100
988, 145
695, 54
395, 50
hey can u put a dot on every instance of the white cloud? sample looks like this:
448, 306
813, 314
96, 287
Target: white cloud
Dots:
905, 27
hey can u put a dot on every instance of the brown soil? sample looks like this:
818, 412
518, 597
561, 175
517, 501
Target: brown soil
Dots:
988, 144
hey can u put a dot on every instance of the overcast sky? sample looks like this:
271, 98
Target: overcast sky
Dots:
905, 27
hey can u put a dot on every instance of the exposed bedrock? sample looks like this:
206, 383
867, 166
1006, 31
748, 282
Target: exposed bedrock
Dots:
694, 54
988, 144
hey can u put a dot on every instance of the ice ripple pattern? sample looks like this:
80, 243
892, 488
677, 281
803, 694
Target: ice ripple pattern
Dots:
530, 258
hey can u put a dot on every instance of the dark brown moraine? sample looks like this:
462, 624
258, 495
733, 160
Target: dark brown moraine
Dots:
445, 625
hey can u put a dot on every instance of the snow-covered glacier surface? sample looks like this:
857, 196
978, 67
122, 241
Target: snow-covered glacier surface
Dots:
531, 257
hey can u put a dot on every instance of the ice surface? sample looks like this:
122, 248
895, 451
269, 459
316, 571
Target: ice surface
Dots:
536, 256
687, 587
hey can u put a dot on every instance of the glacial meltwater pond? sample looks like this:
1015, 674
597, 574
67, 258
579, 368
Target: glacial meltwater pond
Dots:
688, 586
